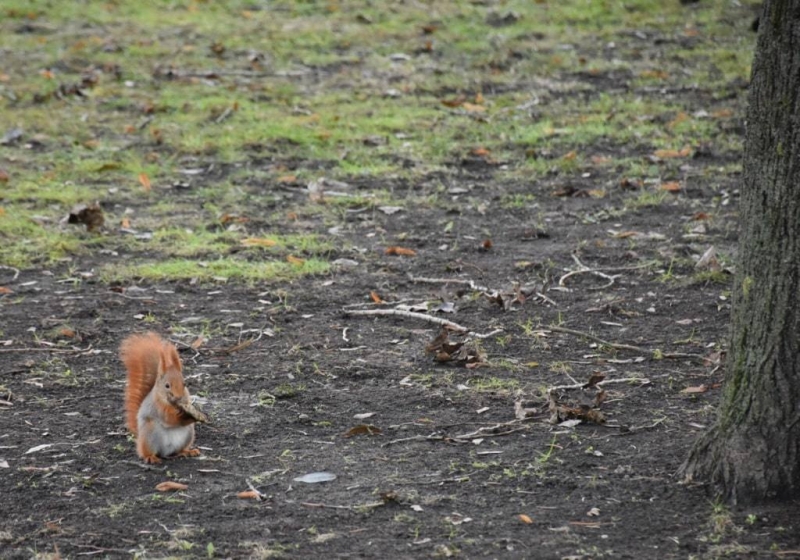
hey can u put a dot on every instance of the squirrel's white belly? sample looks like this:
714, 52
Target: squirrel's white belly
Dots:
168, 441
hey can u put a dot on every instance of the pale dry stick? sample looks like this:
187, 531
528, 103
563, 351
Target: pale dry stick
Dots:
370, 505
51, 350
652, 353
414, 438
598, 339
472, 285
16, 271
640, 380
482, 432
409, 315
373, 304
599, 271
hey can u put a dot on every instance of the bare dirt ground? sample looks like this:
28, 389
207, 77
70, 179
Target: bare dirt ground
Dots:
460, 458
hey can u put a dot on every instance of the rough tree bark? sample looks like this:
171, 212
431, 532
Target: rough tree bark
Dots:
753, 450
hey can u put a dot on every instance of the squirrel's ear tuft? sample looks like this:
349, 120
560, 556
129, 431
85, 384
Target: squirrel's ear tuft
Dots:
170, 361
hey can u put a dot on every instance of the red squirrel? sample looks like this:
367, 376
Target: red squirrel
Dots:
158, 408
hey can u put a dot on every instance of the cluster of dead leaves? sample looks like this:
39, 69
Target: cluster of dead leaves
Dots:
585, 408
91, 215
467, 352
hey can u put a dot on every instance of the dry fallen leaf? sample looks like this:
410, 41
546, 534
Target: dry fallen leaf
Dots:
375, 297
295, 260
287, 179
472, 108
672, 186
695, 390
400, 251
145, 181
125, 223
362, 429
171, 486
259, 242
91, 215
249, 495
457, 102
525, 519
198, 342
4, 290
569, 156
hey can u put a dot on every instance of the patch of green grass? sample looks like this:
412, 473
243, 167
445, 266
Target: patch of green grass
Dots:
219, 270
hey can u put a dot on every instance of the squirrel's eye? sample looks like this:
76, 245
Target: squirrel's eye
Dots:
166, 385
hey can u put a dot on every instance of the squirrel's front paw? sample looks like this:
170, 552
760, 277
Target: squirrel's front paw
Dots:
151, 459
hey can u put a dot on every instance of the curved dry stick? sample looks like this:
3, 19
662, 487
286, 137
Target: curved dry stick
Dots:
409, 315
651, 353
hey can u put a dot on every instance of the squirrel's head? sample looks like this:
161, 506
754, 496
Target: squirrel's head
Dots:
170, 375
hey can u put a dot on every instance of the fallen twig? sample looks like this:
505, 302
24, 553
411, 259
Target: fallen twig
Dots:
52, 350
598, 339
482, 432
599, 271
640, 380
414, 438
16, 271
410, 315
329, 506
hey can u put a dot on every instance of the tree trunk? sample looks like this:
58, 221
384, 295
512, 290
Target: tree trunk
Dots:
753, 450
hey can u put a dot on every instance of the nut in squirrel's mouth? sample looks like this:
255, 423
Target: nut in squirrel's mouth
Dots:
188, 408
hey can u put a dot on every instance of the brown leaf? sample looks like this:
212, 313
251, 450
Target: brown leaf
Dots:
487, 244
481, 152
91, 215
66, 332
695, 390
473, 108
456, 102
4, 176
259, 242
375, 297
249, 495
395, 250
569, 156
596, 378
698, 216
170, 486
672, 186
145, 181
525, 519
630, 184
295, 260
125, 223
4, 290
287, 179
656, 74
198, 342
362, 429
436, 344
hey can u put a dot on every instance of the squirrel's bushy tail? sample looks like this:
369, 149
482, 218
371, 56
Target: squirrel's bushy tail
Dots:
145, 356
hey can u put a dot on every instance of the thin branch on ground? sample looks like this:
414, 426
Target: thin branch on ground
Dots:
484, 431
640, 380
51, 350
329, 506
604, 342
600, 272
470, 283
16, 271
414, 438
409, 315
